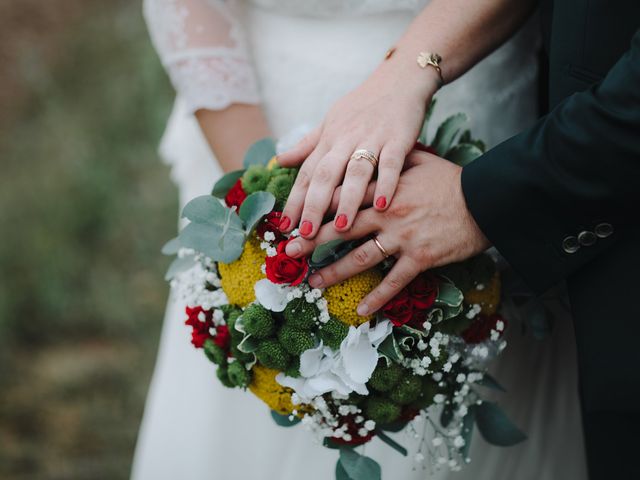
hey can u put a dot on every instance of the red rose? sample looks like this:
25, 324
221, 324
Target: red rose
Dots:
200, 332
271, 223
281, 268
353, 429
480, 329
236, 195
399, 309
423, 290
425, 148
222, 338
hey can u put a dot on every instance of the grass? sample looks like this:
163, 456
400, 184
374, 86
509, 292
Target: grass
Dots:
85, 206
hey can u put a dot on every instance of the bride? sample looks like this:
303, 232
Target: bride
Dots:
246, 70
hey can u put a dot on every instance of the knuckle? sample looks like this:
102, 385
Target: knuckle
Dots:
361, 257
323, 174
394, 282
358, 169
311, 209
303, 180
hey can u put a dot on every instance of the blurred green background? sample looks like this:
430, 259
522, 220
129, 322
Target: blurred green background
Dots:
85, 206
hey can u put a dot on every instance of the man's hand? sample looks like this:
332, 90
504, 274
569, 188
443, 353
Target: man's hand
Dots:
427, 225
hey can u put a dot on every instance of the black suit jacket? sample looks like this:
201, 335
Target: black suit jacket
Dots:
561, 201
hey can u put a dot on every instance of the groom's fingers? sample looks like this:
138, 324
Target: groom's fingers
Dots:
399, 277
298, 154
361, 259
366, 223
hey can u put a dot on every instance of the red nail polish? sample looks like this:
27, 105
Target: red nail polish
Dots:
341, 220
285, 223
381, 202
306, 228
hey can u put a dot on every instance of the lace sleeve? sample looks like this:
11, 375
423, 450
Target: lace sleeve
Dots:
203, 50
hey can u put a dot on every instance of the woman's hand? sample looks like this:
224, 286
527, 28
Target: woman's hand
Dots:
426, 225
384, 116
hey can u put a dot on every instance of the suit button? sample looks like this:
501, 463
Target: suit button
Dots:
603, 230
571, 244
587, 238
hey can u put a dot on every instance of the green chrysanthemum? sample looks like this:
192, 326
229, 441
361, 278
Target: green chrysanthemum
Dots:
257, 321
333, 333
273, 355
407, 390
301, 315
280, 187
384, 377
255, 179
223, 376
295, 341
382, 410
239, 375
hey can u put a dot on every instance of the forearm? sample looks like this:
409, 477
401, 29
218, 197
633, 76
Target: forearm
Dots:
231, 131
461, 32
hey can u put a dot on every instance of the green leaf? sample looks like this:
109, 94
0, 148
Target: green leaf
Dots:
391, 442
490, 382
447, 133
260, 152
424, 131
249, 344
326, 250
220, 243
341, 474
463, 154
204, 209
390, 349
333, 445
284, 420
222, 186
171, 247
394, 426
446, 416
179, 265
495, 426
449, 295
254, 207
467, 431
359, 467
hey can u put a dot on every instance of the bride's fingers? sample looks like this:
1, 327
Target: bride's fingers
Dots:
362, 258
295, 156
326, 176
366, 223
399, 277
391, 161
366, 202
293, 208
354, 186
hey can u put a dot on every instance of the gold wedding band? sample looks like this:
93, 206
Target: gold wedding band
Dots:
371, 157
380, 247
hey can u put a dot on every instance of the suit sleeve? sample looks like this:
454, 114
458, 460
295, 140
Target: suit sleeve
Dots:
557, 195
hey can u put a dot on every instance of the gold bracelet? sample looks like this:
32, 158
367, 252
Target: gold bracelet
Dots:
426, 59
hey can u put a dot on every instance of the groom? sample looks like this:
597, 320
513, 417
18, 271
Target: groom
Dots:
561, 202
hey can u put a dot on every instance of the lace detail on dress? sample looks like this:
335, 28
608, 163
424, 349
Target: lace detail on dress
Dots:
203, 50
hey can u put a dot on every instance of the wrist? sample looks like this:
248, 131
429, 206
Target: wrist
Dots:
401, 72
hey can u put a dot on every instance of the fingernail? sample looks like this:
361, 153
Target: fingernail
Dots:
306, 228
293, 249
285, 223
315, 280
381, 202
341, 221
363, 309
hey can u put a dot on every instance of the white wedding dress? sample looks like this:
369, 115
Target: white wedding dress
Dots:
297, 57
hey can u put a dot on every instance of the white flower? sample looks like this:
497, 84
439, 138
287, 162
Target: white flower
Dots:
269, 236
347, 370
271, 296
437, 441
370, 425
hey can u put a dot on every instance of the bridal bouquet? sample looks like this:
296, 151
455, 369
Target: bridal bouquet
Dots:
308, 355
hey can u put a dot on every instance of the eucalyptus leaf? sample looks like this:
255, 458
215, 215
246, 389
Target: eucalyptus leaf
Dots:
396, 426
179, 265
284, 420
447, 133
341, 473
390, 349
463, 154
171, 247
204, 209
467, 431
219, 243
449, 295
391, 442
260, 152
490, 382
325, 250
495, 426
359, 467
254, 207
333, 445
222, 186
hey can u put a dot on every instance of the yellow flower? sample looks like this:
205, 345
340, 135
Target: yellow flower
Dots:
488, 298
239, 277
265, 387
272, 163
343, 298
